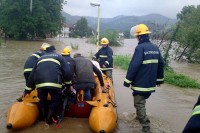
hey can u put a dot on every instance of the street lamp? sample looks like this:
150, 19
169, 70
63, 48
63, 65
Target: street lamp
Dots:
95, 4
31, 5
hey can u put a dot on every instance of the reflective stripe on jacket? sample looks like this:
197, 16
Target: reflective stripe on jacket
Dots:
105, 55
196, 110
146, 68
193, 124
31, 61
50, 72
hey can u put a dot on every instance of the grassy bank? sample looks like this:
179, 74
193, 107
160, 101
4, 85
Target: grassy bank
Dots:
171, 77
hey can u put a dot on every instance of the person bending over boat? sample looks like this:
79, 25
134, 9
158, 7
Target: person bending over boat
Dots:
32, 59
66, 53
47, 76
84, 79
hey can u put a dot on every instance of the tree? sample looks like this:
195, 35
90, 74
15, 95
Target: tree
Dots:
163, 37
18, 22
112, 36
81, 28
188, 33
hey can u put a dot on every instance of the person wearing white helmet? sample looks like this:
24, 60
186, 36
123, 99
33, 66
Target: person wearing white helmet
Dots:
48, 75
146, 70
32, 59
31, 62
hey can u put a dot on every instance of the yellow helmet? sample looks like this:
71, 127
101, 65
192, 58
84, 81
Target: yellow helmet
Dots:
44, 46
104, 41
66, 51
140, 29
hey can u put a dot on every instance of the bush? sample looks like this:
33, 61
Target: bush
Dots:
1, 41
180, 80
112, 36
122, 61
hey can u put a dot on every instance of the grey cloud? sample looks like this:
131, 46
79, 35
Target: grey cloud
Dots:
112, 8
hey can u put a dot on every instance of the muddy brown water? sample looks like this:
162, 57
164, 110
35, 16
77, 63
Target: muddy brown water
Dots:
169, 108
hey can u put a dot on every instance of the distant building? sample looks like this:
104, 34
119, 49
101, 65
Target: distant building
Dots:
120, 35
65, 31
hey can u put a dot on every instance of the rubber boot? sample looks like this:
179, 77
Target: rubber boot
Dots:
146, 129
49, 117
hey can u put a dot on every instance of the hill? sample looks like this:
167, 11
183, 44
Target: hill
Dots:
121, 22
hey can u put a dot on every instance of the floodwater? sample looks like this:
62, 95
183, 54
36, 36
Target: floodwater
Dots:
169, 108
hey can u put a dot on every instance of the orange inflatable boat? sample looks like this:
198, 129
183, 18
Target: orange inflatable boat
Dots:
101, 110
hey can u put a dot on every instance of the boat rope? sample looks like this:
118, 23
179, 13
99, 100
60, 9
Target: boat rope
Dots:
111, 101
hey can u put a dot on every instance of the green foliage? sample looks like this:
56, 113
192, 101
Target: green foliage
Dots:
1, 41
81, 28
164, 37
18, 22
122, 61
112, 36
180, 80
188, 33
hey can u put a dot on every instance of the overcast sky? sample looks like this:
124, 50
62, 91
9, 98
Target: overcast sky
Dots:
112, 8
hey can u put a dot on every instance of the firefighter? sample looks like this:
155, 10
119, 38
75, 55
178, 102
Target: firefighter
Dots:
49, 73
66, 53
193, 125
146, 70
31, 61
105, 57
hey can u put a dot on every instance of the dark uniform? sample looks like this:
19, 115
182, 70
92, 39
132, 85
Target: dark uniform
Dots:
70, 61
145, 71
85, 77
193, 125
47, 76
105, 56
30, 63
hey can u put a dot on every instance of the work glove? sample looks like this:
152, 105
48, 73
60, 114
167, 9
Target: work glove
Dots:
126, 84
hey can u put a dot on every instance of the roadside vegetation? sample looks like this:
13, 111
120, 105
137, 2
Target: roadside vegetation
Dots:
1, 41
171, 77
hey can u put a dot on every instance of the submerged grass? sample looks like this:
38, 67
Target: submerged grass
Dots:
171, 77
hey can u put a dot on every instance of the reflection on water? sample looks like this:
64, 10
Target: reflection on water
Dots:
169, 108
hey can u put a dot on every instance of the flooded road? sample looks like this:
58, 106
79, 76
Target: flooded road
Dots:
169, 107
